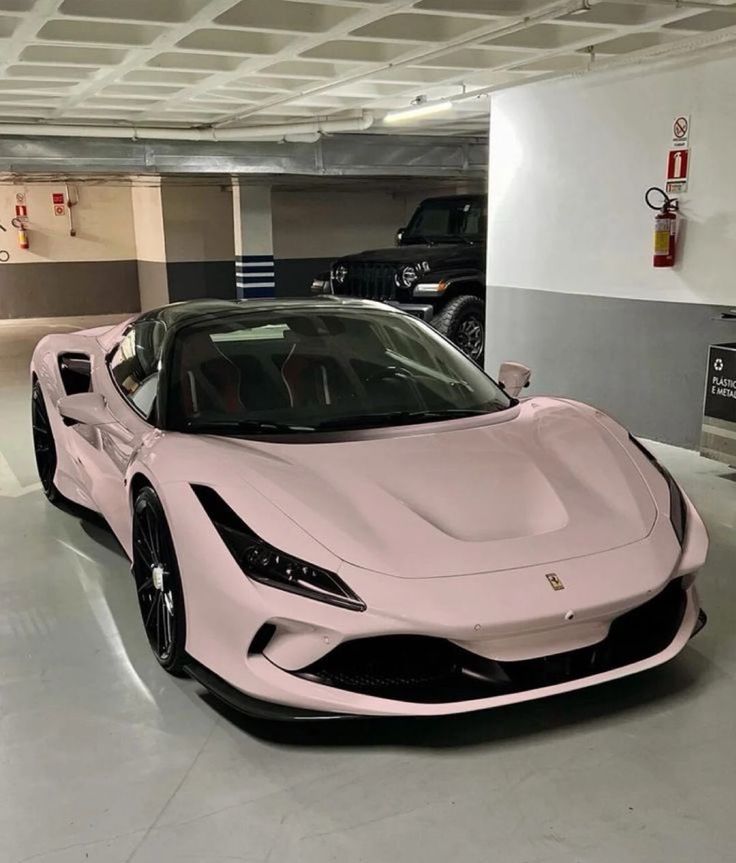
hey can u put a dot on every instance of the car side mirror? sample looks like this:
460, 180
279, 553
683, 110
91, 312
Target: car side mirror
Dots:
88, 408
513, 377
400, 236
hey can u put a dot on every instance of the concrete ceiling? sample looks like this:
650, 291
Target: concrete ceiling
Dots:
223, 62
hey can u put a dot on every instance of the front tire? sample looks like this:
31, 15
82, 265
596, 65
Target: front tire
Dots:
44, 446
463, 322
158, 583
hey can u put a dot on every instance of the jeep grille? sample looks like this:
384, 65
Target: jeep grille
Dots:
369, 281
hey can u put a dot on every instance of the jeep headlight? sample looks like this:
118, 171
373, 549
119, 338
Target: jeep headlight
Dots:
321, 285
409, 276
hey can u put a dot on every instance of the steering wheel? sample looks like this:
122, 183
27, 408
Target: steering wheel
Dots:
396, 373
388, 372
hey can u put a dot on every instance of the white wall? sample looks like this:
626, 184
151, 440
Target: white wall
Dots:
570, 162
572, 290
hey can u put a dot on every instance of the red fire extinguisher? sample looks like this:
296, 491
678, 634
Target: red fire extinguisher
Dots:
22, 234
665, 228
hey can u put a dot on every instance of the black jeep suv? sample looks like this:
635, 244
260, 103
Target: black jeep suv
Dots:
437, 272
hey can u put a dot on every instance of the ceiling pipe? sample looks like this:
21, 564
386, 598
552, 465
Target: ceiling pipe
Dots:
309, 132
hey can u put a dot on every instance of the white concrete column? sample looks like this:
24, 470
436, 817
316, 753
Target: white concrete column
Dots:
254, 267
150, 242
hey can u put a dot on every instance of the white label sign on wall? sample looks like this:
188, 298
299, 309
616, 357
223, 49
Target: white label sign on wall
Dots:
681, 132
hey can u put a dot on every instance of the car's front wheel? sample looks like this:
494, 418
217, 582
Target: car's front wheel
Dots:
463, 322
44, 446
158, 582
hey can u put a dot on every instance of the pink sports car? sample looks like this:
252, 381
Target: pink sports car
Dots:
331, 511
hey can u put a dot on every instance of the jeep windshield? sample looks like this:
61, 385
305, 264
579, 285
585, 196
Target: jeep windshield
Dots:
316, 369
447, 220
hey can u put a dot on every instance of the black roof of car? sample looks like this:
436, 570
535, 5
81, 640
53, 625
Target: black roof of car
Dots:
188, 311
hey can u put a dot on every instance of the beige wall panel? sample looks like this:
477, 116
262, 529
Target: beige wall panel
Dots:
148, 222
103, 218
198, 222
338, 220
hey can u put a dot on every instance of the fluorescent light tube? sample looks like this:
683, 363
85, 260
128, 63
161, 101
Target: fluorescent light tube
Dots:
417, 112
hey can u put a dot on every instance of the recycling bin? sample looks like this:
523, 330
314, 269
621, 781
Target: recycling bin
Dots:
718, 435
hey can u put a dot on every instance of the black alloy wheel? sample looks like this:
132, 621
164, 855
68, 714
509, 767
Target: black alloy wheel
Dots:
462, 321
469, 336
43, 444
158, 582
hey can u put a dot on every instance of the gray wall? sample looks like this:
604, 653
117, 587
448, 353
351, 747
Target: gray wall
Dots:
294, 275
191, 280
643, 362
68, 288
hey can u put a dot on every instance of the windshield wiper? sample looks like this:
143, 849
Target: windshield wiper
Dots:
244, 427
392, 418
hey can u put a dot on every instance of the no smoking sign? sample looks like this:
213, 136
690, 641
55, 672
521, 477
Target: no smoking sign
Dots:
678, 158
681, 132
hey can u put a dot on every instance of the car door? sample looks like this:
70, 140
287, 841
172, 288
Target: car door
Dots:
129, 381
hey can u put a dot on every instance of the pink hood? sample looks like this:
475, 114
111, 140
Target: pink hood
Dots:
533, 486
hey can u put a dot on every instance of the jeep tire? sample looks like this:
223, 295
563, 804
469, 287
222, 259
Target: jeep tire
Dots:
463, 321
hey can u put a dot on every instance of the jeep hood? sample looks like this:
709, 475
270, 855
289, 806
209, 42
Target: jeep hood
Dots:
535, 484
444, 253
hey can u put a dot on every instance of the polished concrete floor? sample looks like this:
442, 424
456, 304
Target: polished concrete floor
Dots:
106, 759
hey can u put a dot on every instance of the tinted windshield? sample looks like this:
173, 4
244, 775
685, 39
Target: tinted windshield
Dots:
446, 220
287, 371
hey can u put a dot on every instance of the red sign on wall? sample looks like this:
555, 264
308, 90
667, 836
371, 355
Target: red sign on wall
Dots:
678, 164
57, 198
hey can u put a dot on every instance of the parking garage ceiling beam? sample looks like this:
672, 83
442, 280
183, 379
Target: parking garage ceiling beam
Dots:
672, 11
29, 25
210, 64
204, 18
339, 156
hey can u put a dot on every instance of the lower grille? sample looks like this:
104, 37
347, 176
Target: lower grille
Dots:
429, 670
369, 281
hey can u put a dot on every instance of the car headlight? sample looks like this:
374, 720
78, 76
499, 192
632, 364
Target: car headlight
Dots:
264, 563
409, 276
321, 285
340, 273
678, 507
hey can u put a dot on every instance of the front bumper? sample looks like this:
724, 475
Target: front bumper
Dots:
523, 639
424, 311
545, 676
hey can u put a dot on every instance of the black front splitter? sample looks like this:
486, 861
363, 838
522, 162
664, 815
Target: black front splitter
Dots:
700, 623
255, 707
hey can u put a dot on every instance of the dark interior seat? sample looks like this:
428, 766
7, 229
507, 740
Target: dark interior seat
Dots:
209, 381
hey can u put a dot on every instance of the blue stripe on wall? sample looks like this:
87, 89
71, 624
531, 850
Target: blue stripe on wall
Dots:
254, 268
255, 279
255, 276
